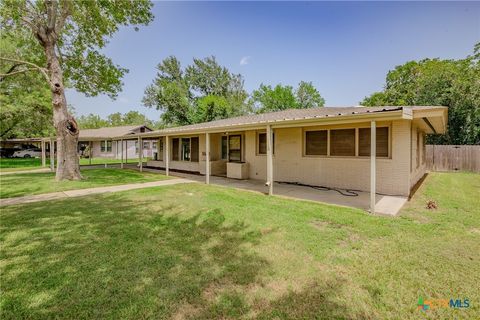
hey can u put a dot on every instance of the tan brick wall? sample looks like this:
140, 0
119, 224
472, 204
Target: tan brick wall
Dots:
393, 174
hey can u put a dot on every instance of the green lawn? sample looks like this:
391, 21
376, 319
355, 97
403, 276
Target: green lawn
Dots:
22, 184
17, 164
209, 252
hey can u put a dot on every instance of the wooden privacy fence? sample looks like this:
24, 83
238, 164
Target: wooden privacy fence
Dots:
452, 158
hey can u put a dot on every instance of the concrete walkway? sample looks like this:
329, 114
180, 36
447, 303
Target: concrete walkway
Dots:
4, 173
89, 191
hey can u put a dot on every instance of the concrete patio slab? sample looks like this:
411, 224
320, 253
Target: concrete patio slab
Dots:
385, 204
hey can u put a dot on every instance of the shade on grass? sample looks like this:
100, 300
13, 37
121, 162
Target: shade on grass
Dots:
22, 184
208, 252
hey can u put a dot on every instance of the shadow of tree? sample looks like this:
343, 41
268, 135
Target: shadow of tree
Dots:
107, 259
132, 256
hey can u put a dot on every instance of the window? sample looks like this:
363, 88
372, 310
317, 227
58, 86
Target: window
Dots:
185, 156
364, 141
160, 149
316, 143
105, 146
262, 143
194, 149
175, 149
146, 145
185, 149
235, 148
154, 145
342, 142
136, 147
224, 147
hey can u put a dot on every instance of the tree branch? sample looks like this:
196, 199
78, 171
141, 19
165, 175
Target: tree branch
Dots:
3, 75
42, 70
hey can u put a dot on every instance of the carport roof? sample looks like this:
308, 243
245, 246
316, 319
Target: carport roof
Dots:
108, 132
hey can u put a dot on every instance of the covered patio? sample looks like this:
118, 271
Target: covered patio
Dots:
385, 205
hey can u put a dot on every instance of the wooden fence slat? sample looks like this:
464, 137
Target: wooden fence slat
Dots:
453, 158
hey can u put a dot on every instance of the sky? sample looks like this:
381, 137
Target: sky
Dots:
344, 48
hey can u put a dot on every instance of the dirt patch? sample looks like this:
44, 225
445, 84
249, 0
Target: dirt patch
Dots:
324, 224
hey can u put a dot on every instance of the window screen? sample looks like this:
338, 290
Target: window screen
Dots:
342, 142
316, 143
194, 147
175, 149
364, 142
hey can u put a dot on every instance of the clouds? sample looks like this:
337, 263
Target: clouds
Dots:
245, 60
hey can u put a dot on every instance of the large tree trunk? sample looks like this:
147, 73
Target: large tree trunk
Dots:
68, 166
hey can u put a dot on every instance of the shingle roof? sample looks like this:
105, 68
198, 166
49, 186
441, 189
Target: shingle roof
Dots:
108, 132
286, 115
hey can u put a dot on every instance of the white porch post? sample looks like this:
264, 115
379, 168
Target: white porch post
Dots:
121, 150
126, 152
105, 159
90, 152
373, 172
269, 160
140, 153
44, 159
207, 158
167, 155
52, 155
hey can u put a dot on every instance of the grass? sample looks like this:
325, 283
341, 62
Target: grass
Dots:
209, 252
17, 164
22, 184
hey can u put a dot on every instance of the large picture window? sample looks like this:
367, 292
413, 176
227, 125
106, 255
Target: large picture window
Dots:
342, 142
185, 149
105, 146
316, 143
364, 141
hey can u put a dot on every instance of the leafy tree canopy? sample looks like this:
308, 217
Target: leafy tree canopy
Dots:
93, 121
451, 83
203, 90
26, 106
268, 99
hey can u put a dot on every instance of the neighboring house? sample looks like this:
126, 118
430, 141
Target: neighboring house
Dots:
102, 144
320, 146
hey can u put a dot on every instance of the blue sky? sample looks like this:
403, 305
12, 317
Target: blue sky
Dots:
344, 48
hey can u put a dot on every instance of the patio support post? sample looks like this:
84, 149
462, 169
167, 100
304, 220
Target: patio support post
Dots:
126, 152
90, 152
52, 155
167, 155
121, 156
269, 160
106, 143
207, 158
373, 172
44, 159
140, 153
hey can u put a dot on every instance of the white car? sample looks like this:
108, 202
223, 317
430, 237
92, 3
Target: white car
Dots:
28, 153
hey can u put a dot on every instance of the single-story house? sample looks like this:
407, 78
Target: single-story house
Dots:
326, 146
100, 143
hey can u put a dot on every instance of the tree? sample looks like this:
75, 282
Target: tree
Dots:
268, 99
93, 121
26, 108
204, 90
451, 83
66, 37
